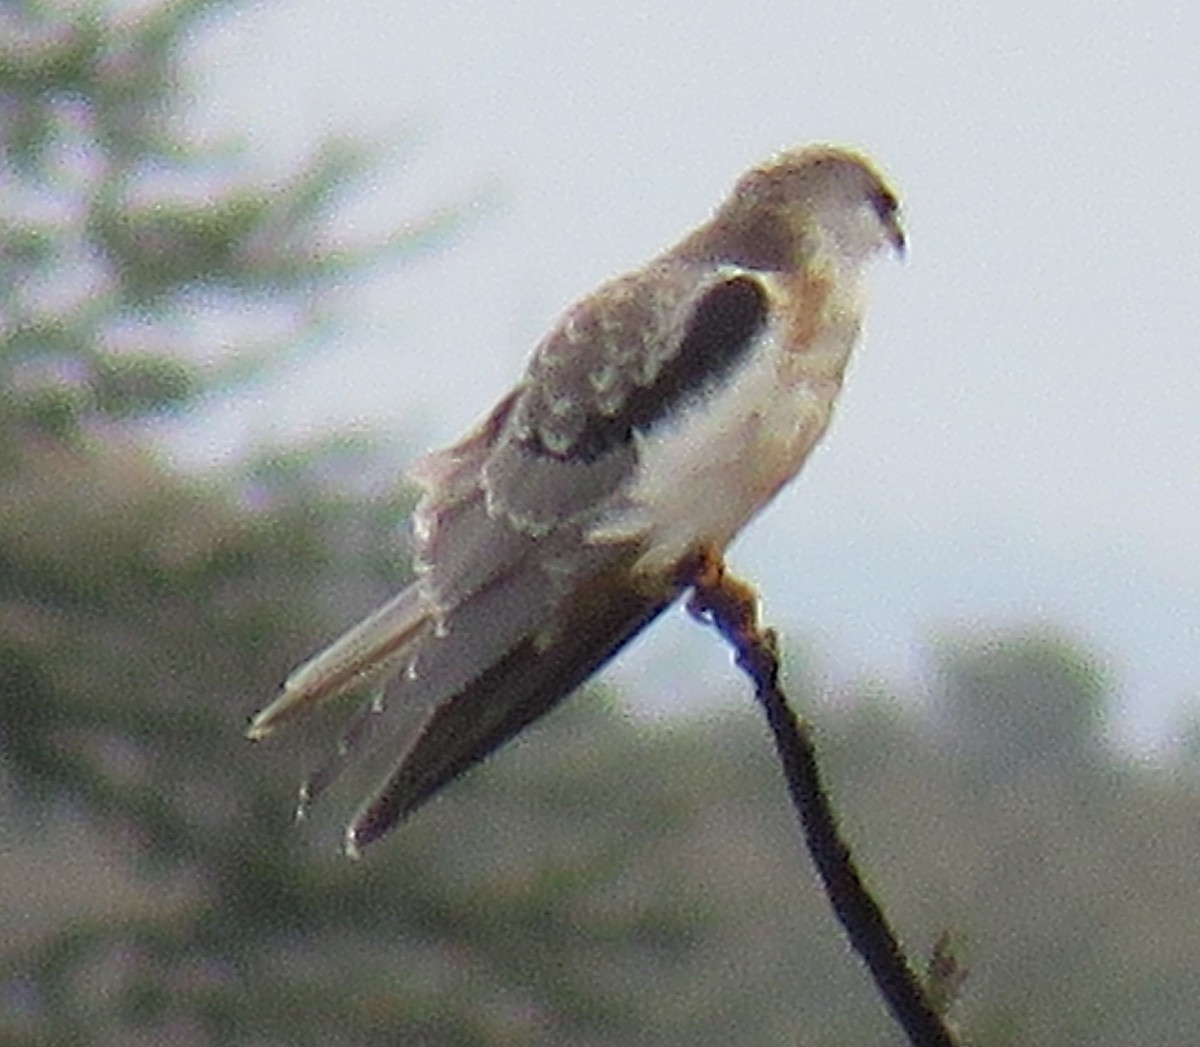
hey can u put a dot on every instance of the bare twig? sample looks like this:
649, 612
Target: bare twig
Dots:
732, 607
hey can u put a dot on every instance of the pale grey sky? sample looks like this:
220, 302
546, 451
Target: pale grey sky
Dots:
1019, 438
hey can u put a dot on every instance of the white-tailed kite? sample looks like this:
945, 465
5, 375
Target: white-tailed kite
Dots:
652, 423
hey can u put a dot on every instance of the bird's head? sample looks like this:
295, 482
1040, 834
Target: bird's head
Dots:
815, 198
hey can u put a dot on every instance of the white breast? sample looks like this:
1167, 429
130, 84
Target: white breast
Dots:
704, 474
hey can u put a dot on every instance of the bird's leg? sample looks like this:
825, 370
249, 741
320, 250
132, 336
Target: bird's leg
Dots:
728, 603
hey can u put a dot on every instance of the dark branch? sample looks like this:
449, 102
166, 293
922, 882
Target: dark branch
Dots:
731, 606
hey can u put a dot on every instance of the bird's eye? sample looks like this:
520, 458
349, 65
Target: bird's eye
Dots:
886, 204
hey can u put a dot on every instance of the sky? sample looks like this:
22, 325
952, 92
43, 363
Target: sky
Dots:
1018, 440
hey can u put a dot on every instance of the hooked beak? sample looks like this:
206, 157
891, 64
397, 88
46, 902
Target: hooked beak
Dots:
895, 235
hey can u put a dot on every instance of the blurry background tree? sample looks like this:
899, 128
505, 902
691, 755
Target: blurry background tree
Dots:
602, 882
1034, 702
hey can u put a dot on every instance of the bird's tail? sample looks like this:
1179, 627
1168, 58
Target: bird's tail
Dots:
359, 663
526, 683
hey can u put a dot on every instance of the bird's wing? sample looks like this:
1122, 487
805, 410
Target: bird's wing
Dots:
528, 682
512, 607
447, 522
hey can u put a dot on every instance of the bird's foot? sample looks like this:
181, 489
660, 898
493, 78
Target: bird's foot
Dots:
731, 606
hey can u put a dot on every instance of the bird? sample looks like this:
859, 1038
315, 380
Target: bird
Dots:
658, 416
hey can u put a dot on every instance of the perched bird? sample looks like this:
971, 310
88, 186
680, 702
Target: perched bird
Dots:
660, 414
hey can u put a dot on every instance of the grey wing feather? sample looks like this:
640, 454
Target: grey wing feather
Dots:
383, 644
541, 493
529, 681
475, 635
628, 357
487, 582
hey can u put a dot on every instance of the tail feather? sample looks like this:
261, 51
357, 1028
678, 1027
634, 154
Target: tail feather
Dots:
443, 661
356, 736
490, 709
356, 664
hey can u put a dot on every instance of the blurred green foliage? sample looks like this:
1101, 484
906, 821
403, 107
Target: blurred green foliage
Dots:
602, 881
1020, 704
122, 239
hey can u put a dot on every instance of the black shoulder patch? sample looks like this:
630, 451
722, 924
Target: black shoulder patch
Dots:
723, 325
